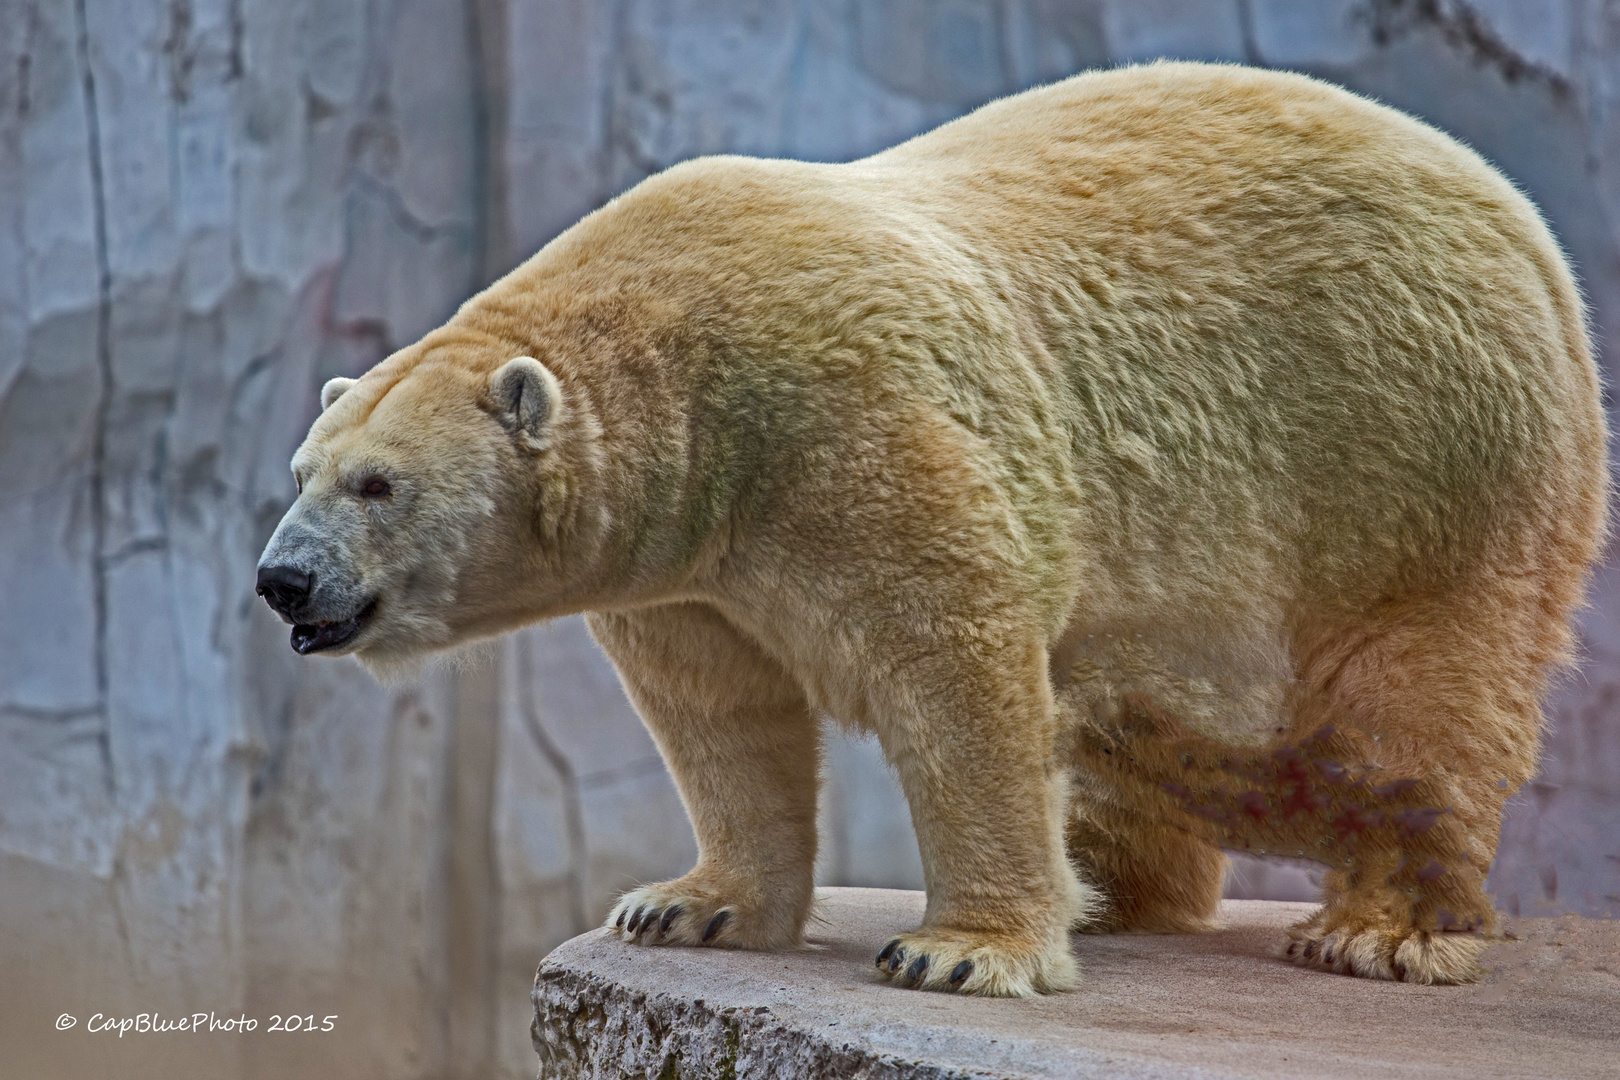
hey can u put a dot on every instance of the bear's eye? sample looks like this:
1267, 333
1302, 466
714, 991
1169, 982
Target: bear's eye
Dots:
375, 487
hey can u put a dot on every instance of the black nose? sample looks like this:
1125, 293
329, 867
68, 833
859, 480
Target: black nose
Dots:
283, 587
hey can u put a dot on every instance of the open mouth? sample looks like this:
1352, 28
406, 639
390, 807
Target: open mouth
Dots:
317, 637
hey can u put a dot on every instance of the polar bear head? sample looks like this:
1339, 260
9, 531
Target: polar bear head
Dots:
439, 502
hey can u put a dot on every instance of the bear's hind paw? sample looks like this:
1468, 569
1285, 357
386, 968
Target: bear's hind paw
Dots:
1429, 957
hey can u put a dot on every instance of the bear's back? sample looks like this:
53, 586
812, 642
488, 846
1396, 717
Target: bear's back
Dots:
1259, 285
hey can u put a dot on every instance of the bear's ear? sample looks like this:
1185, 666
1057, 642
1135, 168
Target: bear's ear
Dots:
527, 398
333, 390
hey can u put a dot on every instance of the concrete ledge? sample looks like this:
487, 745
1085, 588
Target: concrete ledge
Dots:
1212, 1005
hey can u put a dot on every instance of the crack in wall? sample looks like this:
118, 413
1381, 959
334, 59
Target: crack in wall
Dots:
25, 66
648, 766
31, 712
573, 804
799, 66
421, 231
625, 161
238, 29
1251, 42
177, 50
144, 545
105, 390
488, 23
104, 387
1463, 28
1006, 59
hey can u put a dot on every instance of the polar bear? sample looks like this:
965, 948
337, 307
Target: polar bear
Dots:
1172, 458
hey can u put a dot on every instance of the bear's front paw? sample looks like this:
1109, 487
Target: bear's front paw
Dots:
680, 913
979, 962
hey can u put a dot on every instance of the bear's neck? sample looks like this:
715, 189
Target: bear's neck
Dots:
664, 438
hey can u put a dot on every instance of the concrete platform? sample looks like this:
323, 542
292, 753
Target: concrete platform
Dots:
1213, 1005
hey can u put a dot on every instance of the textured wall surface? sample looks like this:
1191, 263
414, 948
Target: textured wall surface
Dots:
208, 207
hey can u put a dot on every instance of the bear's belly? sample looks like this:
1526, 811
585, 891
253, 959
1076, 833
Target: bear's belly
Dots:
1231, 689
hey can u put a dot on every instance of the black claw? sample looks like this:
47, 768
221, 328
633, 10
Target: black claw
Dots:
635, 921
670, 916
619, 922
1310, 950
649, 921
715, 924
1327, 956
896, 960
960, 972
918, 966
1293, 948
887, 951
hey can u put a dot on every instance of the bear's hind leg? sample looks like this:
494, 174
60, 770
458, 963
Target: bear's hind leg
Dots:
1154, 877
1444, 701
744, 749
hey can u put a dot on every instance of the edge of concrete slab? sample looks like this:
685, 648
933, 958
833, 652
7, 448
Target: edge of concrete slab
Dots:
1213, 1005
592, 1027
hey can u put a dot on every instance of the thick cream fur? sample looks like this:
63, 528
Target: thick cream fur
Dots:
1173, 457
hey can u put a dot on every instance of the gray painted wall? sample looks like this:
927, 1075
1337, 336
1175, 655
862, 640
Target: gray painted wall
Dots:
208, 207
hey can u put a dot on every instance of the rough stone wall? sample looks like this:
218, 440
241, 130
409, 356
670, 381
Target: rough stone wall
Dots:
208, 207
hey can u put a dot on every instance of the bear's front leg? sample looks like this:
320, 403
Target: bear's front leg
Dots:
971, 734
743, 747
